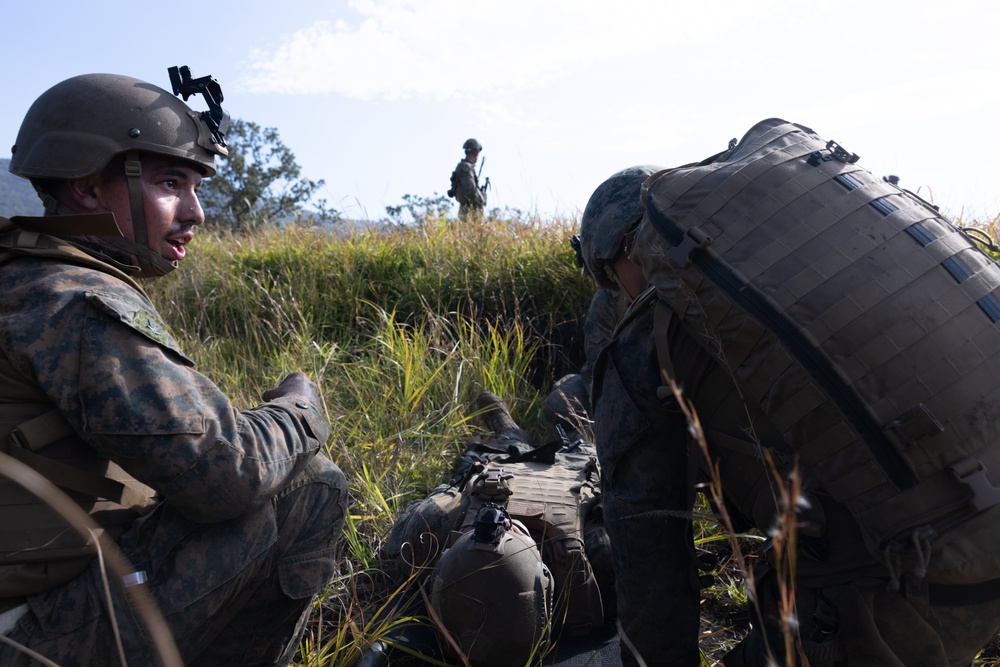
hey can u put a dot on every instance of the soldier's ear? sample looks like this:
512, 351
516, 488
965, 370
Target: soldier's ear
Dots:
91, 194
82, 194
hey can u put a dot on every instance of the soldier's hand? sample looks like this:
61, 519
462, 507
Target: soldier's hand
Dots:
296, 385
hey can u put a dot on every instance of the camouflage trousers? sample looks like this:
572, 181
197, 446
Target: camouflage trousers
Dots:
647, 506
236, 592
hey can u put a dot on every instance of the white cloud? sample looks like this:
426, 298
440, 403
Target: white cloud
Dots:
450, 49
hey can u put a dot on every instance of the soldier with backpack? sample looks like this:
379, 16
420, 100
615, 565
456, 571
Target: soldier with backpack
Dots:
780, 348
465, 182
229, 520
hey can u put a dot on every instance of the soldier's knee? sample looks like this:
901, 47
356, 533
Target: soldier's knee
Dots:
330, 488
311, 512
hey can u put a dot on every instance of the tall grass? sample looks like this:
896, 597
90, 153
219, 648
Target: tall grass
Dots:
402, 329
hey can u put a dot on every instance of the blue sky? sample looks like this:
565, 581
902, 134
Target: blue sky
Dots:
377, 96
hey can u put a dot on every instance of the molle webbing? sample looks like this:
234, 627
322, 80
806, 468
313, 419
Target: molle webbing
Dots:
28, 438
551, 501
860, 322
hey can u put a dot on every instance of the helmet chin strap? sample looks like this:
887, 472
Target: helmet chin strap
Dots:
150, 261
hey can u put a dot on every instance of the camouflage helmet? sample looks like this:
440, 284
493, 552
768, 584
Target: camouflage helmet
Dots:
613, 210
494, 594
472, 145
76, 127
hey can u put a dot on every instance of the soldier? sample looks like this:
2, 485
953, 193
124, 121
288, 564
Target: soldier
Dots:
847, 609
611, 215
465, 182
231, 518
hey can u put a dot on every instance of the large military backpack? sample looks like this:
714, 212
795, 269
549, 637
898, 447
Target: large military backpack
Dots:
859, 321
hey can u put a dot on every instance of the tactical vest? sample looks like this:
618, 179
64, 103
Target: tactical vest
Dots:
552, 501
38, 550
861, 323
557, 501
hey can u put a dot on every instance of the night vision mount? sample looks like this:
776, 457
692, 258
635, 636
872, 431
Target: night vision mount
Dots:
216, 117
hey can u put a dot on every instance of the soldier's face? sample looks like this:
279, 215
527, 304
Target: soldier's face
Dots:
472, 156
628, 276
170, 197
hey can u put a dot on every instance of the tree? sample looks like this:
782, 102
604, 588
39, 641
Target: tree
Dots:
419, 208
259, 183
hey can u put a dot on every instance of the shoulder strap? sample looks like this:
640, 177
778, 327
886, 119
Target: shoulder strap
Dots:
46, 429
34, 237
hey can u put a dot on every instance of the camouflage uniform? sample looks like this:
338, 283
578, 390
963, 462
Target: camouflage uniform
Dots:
465, 184
598, 325
846, 613
248, 530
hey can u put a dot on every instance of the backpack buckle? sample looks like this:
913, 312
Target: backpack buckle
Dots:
695, 239
971, 473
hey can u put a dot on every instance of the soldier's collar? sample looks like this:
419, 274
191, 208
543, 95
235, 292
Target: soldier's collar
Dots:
85, 224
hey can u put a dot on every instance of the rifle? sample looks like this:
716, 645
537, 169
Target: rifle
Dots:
485, 186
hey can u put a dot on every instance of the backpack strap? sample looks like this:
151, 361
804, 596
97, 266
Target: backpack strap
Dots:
50, 427
41, 237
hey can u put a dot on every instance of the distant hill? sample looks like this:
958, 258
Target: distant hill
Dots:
17, 197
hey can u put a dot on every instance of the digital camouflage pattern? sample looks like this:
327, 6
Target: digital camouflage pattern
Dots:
847, 614
647, 502
248, 531
465, 185
605, 308
100, 352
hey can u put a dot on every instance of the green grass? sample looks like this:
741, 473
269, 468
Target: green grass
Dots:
401, 329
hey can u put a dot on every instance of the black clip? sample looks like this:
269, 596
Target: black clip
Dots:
837, 152
694, 240
216, 118
840, 153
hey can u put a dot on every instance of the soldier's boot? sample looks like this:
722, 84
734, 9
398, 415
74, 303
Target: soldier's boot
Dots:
496, 417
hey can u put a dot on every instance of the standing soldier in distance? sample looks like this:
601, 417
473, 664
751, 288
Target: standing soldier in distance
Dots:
231, 518
465, 183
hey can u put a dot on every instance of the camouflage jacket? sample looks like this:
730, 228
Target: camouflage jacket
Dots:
81, 334
465, 185
606, 307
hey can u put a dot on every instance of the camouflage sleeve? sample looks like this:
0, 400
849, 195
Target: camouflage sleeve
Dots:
598, 325
106, 359
468, 190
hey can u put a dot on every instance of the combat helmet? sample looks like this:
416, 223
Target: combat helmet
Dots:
472, 145
613, 210
77, 127
493, 593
